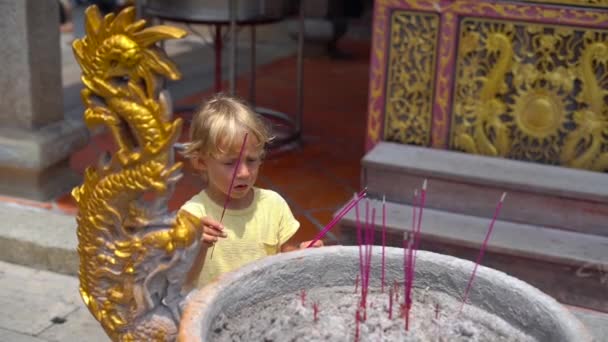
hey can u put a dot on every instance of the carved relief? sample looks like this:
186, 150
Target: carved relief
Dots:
410, 77
593, 3
532, 92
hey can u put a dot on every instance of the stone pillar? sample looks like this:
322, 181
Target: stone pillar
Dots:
35, 139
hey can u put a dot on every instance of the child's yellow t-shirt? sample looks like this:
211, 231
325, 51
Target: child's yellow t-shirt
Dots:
253, 233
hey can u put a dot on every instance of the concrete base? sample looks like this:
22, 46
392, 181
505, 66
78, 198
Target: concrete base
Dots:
542, 195
34, 164
38, 238
516, 302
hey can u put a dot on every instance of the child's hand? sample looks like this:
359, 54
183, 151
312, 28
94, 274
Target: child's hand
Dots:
212, 230
317, 244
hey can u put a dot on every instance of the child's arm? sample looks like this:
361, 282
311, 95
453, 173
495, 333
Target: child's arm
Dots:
212, 231
292, 245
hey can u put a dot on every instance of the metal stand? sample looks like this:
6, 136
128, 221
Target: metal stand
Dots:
287, 130
296, 124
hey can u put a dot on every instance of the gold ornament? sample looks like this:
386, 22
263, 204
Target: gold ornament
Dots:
532, 92
133, 255
410, 77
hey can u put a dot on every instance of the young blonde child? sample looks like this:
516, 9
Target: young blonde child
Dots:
257, 222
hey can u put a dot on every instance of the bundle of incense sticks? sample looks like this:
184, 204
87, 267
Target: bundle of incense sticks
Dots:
481, 252
236, 169
338, 217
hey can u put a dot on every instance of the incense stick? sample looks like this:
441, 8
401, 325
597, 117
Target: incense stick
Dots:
338, 217
359, 241
481, 251
236, 169
383, 240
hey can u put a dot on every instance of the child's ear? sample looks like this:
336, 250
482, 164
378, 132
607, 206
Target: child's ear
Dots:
198, 163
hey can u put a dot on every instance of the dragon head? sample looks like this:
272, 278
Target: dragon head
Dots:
119, 47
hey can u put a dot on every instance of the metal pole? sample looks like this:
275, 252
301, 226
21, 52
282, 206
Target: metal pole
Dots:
252, 68
300, 72
139, 9
232, 9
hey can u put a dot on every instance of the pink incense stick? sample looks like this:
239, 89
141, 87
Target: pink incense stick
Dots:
383, 239
365, 252
338, 217
359, 240
236, 169
406, 274
413, 249
369, 253
419, 225
481, 251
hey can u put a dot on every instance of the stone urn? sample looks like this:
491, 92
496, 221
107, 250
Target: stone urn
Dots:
515, 303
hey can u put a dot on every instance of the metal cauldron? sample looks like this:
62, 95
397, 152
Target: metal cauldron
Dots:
214, 10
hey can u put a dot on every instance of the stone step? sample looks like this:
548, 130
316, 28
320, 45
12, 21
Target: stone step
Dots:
544, 195
38, 238
572, 267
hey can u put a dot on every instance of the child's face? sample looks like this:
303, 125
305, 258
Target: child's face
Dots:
220, 169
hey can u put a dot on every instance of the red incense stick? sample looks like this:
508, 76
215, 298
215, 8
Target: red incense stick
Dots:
481, 251
236, 169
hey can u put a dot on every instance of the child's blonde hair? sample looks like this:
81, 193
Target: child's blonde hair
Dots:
219, 126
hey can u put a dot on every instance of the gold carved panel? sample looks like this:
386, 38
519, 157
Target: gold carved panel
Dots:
592, 3
533, 92
410, 77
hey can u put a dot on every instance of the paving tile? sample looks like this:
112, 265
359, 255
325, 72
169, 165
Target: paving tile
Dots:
293, 178
79, 325
11, 336
30, 299
321, 193
26, 202
308, 230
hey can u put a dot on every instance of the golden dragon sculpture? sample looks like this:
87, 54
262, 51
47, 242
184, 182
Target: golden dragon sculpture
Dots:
134, 256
